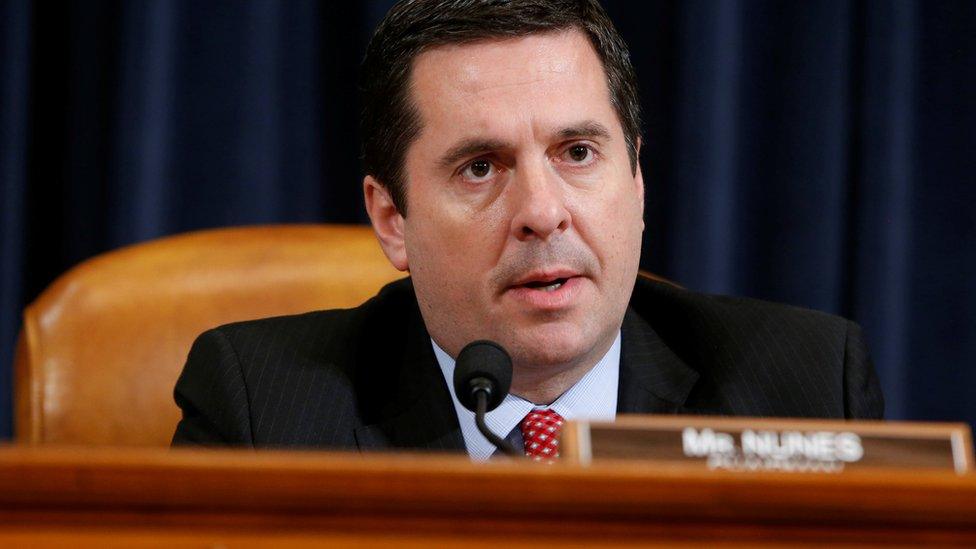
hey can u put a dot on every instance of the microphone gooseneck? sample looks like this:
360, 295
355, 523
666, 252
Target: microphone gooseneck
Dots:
482, 377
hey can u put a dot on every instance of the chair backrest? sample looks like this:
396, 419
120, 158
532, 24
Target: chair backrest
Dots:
101, 348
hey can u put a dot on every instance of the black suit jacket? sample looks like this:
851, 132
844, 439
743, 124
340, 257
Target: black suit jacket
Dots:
367, 377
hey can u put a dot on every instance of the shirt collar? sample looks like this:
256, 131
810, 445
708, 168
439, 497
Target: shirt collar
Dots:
593, 397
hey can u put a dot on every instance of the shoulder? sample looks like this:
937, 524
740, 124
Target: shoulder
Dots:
326, 334
678, 314
760, 358
292, 380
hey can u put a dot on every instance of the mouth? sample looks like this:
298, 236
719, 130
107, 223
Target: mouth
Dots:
548, 280
550, 290
546, 285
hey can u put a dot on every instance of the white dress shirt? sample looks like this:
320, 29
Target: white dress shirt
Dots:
593, 397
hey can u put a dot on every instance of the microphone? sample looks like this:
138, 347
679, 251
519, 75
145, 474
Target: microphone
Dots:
482, 377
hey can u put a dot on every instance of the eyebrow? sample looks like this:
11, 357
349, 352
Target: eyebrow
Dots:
589, 128
470, 147
476, 145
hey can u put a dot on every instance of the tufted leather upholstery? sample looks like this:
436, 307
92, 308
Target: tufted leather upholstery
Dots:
102, 347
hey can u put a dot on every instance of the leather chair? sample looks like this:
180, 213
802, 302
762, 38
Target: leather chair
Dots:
101, 348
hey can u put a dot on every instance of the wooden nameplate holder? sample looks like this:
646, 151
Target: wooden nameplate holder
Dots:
783, 445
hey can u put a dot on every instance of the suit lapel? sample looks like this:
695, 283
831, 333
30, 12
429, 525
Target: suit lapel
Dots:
422, 414
653, 379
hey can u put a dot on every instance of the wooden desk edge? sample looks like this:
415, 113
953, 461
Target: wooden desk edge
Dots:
237, 481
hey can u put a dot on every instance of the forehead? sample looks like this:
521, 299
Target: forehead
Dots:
502, 86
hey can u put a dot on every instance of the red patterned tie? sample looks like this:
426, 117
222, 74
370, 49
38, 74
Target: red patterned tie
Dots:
540, 431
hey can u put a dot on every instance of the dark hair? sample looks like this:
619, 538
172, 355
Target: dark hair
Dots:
389, 121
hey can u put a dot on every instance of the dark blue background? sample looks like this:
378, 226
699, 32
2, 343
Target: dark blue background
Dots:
817, 153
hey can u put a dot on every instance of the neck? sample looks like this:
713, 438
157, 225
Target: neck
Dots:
545, 389
544, 383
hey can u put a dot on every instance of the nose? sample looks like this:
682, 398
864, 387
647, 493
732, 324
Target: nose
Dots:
539, 204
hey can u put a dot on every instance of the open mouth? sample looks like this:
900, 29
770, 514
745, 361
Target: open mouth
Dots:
546, 285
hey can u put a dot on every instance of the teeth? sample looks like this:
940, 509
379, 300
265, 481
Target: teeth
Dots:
551, 287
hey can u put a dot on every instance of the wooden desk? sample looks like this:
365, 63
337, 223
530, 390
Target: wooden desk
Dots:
77, 497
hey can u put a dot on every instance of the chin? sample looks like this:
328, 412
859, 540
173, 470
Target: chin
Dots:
549, 347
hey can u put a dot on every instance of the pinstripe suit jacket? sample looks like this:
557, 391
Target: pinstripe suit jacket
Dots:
367, 377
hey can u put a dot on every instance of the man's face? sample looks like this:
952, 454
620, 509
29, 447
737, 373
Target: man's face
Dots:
524, 217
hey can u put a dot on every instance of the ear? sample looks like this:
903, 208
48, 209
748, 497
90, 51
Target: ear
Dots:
387, 222
639, 182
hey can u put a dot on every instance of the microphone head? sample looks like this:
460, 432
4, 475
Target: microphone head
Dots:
482, 364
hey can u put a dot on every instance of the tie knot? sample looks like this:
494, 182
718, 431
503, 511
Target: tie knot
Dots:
540, 431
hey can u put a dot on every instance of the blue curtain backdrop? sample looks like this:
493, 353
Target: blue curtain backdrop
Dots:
816, 153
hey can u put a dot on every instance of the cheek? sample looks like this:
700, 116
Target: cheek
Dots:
446, 249
612, 224
610, 210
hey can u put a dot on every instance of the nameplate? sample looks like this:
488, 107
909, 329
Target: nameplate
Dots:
783, 445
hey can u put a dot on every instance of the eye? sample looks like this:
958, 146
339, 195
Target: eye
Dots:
579, 154
478, 170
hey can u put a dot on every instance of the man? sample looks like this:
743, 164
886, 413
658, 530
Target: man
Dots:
501, 144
